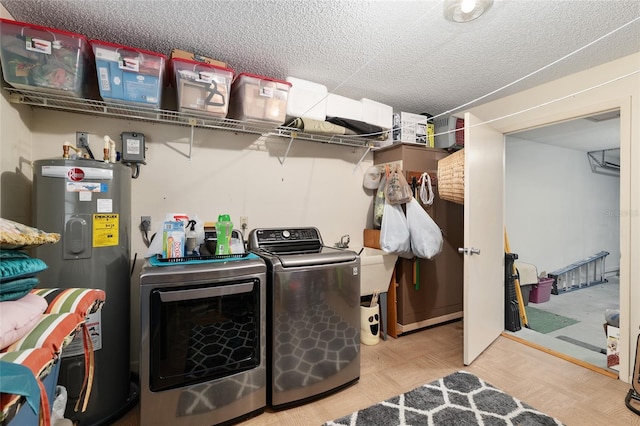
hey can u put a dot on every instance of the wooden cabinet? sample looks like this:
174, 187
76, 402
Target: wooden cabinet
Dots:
428, 292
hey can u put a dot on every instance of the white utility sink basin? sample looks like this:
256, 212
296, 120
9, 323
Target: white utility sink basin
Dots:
376, 268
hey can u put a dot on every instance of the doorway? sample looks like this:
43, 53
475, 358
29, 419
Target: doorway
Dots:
561, 208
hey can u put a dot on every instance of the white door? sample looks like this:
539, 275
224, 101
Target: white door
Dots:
483, 237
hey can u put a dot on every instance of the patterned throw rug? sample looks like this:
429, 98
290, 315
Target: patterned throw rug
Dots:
459, 399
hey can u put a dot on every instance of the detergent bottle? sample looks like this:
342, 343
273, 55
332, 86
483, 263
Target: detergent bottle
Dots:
224, 227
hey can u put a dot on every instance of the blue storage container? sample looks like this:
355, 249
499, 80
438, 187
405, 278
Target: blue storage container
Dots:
129, 75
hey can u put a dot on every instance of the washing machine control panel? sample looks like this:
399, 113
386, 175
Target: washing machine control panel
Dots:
285, 235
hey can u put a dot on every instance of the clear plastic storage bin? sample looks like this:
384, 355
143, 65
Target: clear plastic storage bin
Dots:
129, 75
45, 59
202, 87
254, 97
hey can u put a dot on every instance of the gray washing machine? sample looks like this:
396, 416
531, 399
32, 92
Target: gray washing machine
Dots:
313, 315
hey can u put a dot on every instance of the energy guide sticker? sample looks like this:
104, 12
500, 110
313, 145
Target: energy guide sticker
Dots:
105, 230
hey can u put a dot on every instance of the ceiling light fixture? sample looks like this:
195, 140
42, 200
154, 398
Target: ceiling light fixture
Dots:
465, 10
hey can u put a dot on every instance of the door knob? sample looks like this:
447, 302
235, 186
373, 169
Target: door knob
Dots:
469, 251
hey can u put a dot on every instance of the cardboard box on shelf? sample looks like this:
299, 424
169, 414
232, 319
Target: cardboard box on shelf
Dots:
183, 54
413, 128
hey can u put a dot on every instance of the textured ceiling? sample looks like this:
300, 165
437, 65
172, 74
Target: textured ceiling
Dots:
401, 53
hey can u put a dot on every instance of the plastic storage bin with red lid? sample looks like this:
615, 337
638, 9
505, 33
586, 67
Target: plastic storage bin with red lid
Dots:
254, 97
129, 75
202, 87
45, 59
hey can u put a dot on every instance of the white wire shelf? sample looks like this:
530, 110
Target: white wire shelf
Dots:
140, 113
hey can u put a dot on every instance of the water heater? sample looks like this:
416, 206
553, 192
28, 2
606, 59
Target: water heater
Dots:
89, 203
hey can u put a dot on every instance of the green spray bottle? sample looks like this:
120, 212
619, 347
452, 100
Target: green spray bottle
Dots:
224, 227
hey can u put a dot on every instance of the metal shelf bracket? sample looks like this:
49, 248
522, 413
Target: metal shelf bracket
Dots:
286, 153
362, 158
192, 123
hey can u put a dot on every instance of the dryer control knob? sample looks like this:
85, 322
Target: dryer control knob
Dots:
286, 234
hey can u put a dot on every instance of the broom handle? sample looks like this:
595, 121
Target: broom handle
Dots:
523, 313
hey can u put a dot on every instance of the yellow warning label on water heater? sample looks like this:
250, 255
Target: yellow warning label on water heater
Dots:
105, 230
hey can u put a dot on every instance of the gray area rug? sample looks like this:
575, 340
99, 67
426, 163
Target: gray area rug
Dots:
459, 399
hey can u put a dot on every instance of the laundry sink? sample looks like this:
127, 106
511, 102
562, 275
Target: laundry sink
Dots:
376, 268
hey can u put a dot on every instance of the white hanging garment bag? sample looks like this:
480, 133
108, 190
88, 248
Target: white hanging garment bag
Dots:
394, 233
426, 235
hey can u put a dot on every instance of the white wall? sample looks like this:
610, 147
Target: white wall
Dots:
318, 184
557, 210
15, 157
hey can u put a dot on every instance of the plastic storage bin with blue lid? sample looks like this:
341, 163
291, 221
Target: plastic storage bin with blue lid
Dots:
129, 75
202, 87
45, 59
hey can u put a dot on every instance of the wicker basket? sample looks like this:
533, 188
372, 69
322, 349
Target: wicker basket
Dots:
451, 177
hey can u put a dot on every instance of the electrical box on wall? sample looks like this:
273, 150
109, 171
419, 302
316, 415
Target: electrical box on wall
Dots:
133, 147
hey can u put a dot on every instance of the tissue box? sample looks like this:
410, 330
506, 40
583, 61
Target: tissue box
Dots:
129, 75
44, 59
254, 97
202, 87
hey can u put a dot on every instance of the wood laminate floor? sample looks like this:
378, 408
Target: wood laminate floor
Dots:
573, 394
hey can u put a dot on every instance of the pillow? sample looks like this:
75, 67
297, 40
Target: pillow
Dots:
19, 317
14, 290
82, 301
14, 235
12, 267
53, 331
39, 361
